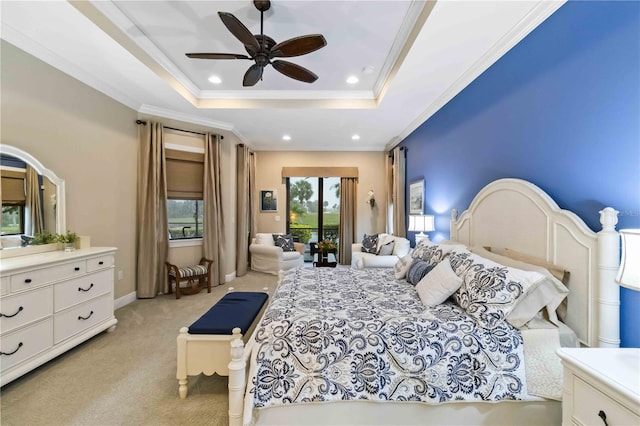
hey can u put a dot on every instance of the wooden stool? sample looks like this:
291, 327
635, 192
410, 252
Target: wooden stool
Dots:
197, 276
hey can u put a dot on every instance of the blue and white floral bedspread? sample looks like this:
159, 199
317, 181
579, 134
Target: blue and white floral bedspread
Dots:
344, 334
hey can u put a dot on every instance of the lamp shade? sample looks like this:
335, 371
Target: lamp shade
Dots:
422, 223
629, 272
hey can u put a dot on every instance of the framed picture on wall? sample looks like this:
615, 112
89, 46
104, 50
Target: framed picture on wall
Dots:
416, 197
268, 201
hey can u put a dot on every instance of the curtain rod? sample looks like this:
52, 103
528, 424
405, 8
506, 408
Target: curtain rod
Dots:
144, 123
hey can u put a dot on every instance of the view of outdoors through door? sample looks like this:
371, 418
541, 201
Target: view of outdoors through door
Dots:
314, 211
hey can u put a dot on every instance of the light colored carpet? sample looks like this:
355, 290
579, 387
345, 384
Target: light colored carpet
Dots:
127, 377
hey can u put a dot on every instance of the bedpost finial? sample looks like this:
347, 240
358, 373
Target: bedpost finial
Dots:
609, 218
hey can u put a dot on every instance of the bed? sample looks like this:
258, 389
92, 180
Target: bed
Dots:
357, 347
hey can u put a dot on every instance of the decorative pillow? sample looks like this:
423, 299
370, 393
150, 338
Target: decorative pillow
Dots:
370, 243
402, 266
434, 253
550, 295
284, 241
386, 249
438, 285
490, 291
558, 272
417, 270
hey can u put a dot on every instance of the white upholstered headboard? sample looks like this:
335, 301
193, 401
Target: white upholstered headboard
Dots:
516, 214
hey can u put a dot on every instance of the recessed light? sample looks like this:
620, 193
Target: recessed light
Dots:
355, 137
353, 79
286, 138
368, 70
215, 79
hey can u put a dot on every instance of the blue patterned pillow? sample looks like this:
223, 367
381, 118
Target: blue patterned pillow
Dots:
284, 241
491, 291
370, 243
417, 270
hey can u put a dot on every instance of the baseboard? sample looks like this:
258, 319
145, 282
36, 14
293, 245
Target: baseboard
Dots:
124, 300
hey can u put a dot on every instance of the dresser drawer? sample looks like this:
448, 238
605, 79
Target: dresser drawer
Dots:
25, 308
5, 285
40, 277
25, 343
78, 290
79, 318
588, 402
96, 263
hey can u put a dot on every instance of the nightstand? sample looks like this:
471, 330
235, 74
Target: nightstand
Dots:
601, 386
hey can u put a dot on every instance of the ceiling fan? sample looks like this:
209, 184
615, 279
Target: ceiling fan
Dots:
263, 49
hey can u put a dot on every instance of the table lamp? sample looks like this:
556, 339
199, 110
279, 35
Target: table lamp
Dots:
629, 272
421, 223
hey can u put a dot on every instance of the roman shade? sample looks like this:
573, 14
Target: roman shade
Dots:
185, 171
343, 172
13, 191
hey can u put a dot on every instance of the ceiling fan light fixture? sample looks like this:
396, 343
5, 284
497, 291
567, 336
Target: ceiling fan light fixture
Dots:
215, 79
352, 79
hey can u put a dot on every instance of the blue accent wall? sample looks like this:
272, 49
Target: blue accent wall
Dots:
562, 110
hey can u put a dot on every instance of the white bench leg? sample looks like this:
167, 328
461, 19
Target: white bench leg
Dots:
181, 371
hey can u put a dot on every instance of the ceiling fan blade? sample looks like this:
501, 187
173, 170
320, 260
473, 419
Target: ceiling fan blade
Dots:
298, 46
238, 29
294, 71
253, 74
216, 56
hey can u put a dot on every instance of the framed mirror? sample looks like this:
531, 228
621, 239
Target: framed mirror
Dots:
33, 198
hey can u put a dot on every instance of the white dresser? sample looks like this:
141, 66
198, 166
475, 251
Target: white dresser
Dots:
601, 386
51, 302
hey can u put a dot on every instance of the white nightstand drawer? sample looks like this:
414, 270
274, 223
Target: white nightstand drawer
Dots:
82, 317
588, 402
25, 308
96, 263
78, 290
5, 283
25, 343
40, 277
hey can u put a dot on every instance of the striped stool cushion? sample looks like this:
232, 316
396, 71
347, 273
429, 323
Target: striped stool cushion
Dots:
189, 271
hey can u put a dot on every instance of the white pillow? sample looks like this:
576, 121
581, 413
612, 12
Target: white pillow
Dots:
402, 266
438, 285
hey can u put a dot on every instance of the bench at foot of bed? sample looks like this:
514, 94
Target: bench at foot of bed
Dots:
203, 347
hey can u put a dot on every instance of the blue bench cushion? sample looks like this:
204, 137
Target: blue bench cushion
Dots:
237, 309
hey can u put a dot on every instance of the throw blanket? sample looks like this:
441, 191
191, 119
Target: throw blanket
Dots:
344, 334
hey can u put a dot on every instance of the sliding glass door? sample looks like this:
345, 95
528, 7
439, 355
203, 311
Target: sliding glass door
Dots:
314, 210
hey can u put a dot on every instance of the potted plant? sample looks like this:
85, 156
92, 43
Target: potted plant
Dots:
68, 240
326, 247
44, 237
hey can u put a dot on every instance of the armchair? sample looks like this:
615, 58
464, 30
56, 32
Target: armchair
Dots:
361, 260
269, 258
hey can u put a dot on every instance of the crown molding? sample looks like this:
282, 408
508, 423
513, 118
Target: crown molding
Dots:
27, 44
538, 14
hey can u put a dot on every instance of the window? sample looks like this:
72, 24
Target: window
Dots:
185, 218
12, 219
185, 172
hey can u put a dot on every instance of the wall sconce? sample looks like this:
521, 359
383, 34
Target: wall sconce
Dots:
371, 198
629, 273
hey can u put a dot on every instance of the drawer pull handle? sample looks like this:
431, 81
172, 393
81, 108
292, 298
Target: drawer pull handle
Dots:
603, 416
11, 316
85, 289
28, 280
101, 263
85, 318
11, 353
77, 268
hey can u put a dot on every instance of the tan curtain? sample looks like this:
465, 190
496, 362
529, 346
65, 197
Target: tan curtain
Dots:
398, 192
348, 218
33, 202
213, 240
245, 175
388, 173
152, 243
